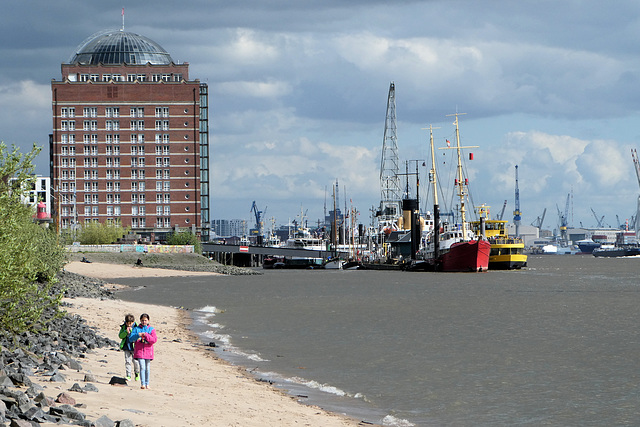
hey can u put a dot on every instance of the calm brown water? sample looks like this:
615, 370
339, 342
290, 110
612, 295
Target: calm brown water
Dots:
556, 344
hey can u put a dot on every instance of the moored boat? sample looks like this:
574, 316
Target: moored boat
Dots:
507, 253
454, 247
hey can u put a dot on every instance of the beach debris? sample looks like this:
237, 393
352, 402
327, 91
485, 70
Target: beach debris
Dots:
118, 381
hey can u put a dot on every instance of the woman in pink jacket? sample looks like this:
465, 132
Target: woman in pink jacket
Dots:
143, 337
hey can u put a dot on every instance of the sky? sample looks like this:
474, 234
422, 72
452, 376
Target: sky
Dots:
298, 95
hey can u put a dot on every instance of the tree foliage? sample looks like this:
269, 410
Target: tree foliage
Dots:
184, 238
96, 233
30, 255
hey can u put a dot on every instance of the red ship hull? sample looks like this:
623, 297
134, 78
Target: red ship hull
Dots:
471, 256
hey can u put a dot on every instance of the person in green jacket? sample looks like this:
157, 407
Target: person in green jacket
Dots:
127, 347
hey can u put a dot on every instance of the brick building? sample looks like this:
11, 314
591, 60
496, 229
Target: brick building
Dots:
130, 139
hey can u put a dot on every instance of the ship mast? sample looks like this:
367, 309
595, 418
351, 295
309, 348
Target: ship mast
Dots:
436, 209
461, 183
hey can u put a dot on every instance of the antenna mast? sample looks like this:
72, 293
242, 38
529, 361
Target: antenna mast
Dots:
389, 179
122, 19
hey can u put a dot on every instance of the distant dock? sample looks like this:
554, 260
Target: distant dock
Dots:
253, 256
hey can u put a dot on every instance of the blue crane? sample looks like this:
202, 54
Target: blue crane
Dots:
259, 222
517, 215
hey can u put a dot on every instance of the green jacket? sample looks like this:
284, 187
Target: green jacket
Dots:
123, 335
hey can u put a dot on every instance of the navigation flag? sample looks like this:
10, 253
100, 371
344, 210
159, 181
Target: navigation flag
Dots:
448, 143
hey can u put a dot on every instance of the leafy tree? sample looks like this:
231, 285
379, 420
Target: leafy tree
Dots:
95, 233
184, 238
30, 256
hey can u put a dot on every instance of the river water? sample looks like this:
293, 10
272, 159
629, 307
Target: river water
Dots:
554, 344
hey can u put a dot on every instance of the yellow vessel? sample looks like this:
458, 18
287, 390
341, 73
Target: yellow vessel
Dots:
507, 253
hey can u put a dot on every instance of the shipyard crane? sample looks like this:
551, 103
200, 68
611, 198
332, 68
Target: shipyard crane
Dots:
539, 220
517, 214
259, 222
390, 188
502, 212
600, 222
564, 220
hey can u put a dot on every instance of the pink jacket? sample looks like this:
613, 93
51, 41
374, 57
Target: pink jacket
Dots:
143, 339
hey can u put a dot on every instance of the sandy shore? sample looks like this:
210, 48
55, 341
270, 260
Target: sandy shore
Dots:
101, 270
190, 386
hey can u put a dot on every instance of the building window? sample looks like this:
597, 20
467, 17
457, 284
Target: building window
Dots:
84, 77
72, 139
131, 77
158, 185
177, 77
109, 210
63, 112
64, 125
167, 210
165, 125
94, 77
116, 210
167, 222
156, 77
141, 77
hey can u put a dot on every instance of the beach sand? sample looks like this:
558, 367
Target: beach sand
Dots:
189, 385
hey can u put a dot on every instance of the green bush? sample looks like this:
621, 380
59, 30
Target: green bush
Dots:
95, 233
30, 255
185, 238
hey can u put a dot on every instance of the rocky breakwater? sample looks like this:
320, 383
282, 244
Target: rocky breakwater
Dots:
48, 353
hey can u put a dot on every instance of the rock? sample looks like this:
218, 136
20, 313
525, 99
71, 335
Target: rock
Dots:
90, 387
76, 387
23, 423
65, 398
5, 381
34, 414
57, 378
20, 380
126, 423
67, 412
104, 421
89, 378
72, 364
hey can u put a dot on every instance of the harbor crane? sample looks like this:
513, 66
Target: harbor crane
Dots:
600, 222
502, 212
390, 187
259, 220
517, 214
539, 220
564, 219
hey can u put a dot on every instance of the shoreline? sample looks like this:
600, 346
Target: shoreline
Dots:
190, 384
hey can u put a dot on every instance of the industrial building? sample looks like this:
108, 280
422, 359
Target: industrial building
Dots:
130, 139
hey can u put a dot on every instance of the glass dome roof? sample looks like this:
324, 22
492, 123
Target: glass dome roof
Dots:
120, 47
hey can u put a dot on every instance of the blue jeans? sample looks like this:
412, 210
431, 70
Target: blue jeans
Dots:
145, 371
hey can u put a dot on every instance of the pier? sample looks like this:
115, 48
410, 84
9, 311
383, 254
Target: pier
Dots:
253, 256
